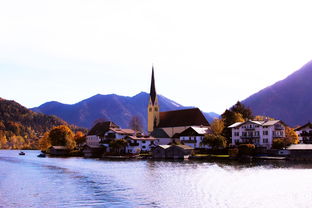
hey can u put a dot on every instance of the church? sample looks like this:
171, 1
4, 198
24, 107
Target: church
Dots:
166, 126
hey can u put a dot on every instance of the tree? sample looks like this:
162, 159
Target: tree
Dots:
118, 145
214, 141
262, 118
80, 138
229, 118
217, 126
3, 142
243, 110
136, 123
62, 136
44, 143
291, 136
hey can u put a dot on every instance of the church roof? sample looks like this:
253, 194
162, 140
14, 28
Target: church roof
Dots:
153, 89
159, 133
186, 117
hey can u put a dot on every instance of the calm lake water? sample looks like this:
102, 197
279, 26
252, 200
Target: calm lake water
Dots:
28, 181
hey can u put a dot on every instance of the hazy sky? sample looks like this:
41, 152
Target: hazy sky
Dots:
205, 53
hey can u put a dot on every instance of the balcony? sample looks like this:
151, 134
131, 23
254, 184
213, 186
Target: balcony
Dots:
308, 134
189, 141
250, 137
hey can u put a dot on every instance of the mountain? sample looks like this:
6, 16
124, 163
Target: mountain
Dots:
119, 109
289, 100
21, 127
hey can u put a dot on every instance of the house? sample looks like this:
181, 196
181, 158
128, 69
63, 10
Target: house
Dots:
170, 122
101, 135
305, 133
116, 133
193, 136
259, 133
97, 133
159, 152
137, 144
93, 151
161, 136
172, 152
300, 152
178, 151
58, 151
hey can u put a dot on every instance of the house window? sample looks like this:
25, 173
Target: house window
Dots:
236, 133
143, 142
150, 109
265, 133
143, 147
265, 141
156, 109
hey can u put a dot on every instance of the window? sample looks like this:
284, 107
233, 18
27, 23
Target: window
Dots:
143, 142
156, 109
265, 141
150, 109
265, 133
236, 133
143, 147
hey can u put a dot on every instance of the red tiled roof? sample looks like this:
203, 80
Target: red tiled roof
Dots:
123, 131
186, 117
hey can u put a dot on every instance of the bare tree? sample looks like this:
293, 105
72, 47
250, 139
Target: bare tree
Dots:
136, 123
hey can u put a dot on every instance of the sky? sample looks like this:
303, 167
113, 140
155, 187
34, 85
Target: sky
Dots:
208, 54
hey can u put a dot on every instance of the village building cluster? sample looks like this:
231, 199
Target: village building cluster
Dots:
176, 134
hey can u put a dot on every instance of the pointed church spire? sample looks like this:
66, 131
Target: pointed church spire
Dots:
153, 89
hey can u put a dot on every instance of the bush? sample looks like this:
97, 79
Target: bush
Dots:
233, 152
246, 149
278, 144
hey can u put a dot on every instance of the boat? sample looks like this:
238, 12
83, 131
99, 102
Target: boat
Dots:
21, 153
41, 155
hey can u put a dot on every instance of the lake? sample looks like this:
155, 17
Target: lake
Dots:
29, 181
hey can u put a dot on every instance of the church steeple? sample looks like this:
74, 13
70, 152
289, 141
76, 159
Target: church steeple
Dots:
153, 107
153, 89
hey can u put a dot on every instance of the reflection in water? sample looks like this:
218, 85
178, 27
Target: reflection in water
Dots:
29, 181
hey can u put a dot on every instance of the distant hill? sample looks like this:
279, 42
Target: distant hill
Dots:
21, 127
289, 100
119, 109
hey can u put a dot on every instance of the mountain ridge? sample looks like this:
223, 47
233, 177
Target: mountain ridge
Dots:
288, 100
112, 107
21, 127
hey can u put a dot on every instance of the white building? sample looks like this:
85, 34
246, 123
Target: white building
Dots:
97, 133
137, 144
259, 133
305, 133
193, 136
